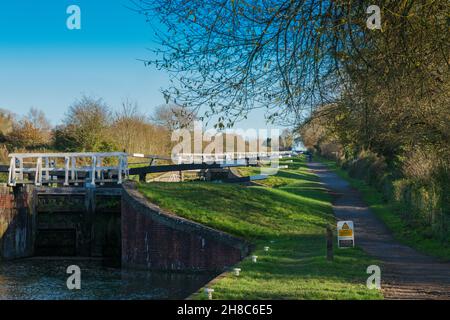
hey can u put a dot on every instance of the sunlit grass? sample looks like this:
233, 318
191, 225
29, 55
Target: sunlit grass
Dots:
289, 213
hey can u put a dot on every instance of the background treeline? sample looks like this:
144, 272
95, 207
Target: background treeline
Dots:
91, 125
391, 124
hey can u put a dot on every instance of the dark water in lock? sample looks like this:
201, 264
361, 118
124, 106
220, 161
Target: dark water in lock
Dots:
44, 279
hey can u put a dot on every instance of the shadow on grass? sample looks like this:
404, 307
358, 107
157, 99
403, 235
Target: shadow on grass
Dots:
313, 193
297, 176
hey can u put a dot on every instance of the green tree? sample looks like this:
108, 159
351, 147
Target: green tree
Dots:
86, 127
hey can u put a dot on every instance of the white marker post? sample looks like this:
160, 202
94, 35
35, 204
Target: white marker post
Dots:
209, 292
346, 235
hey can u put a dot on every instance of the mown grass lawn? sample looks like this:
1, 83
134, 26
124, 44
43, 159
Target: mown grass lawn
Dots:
289, 213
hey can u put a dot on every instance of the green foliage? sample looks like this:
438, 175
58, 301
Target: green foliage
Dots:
423, 203
417, 215
85, 127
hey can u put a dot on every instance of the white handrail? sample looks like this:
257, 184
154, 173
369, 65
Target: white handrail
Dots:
95, 173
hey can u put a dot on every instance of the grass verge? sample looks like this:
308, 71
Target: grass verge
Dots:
289, 213
389, 213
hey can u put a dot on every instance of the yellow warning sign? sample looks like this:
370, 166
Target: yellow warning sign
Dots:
345, 234
345, 231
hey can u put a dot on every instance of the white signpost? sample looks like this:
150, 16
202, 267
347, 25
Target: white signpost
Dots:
346, 234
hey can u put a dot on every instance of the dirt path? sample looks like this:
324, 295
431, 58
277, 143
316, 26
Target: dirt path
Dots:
405, 273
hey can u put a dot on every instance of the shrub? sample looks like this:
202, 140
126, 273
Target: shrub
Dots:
4, 154
422, 195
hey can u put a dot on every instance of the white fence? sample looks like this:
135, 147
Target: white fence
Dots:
92, 168
68, 168
228, 157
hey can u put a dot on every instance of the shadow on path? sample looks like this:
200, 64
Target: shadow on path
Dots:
406, 273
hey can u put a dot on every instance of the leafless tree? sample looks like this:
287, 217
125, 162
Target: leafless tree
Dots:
173, 116
133, 132
292, 56
30, 131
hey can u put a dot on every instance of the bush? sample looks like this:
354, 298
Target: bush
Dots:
422, 206
85, 127
4, 154
369, 167
421, 196
30, 132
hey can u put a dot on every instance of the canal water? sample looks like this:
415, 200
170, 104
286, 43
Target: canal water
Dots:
45, 279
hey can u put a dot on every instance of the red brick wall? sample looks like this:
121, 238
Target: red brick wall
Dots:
6, 201
158, 240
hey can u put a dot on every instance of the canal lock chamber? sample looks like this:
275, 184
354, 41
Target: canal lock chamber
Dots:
117, 225
153, 254
60, 222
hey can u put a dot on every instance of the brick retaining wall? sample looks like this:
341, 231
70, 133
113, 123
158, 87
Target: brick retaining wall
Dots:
156, 239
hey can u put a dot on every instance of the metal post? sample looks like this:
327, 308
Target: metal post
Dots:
72, 172
47, 173
99, 169
94, 164
21, 169
125, 165
329, 244
38, 176
119, 173
12, 172
66, 170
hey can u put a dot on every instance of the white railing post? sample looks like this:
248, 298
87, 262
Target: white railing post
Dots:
21, 169
94, 164
73, 161
66, 170
38, 176
12, 172
47, 173
125, 161
119, 171
99, 167
100, 175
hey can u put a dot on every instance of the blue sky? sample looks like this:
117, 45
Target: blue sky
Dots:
45, 65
